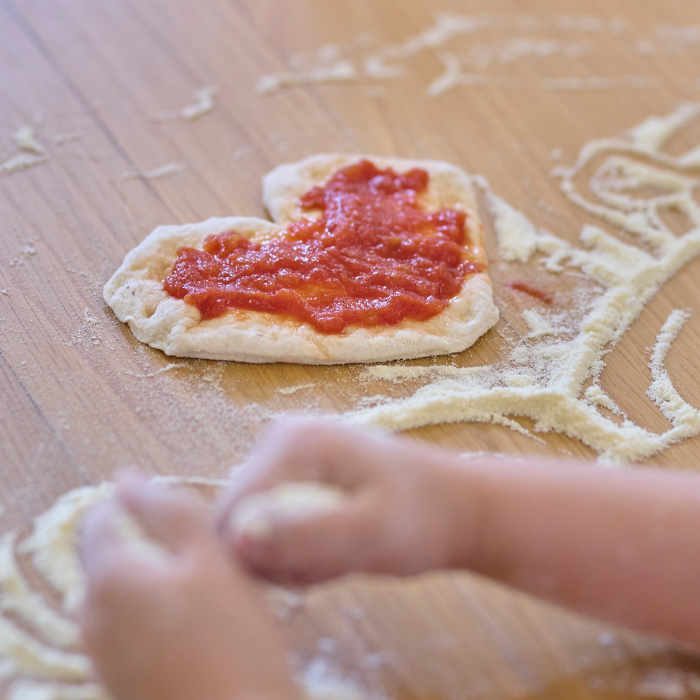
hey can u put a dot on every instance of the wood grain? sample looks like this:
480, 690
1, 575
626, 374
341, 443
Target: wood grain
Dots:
83, 398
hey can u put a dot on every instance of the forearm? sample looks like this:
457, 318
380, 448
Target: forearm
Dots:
619, 545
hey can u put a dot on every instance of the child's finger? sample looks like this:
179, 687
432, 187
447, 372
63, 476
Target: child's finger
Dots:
169, 516
103, 544
312, 548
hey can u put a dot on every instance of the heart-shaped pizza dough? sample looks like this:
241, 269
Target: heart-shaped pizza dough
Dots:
136, 293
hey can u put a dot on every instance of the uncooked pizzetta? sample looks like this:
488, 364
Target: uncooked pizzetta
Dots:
368, 259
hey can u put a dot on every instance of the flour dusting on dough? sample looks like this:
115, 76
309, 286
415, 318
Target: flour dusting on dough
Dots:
545, 380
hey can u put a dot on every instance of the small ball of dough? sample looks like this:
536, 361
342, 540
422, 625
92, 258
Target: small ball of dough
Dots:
258, 514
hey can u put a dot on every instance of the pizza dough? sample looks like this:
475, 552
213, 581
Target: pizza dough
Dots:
136, 294
257, 515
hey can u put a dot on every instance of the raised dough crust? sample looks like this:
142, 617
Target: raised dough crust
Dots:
136, 293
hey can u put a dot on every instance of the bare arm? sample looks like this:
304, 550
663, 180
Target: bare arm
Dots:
618, 545
621, 545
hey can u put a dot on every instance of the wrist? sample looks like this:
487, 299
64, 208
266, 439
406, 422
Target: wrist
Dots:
464, 496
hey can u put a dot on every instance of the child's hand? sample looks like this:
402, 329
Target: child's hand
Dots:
396, 517
185, 625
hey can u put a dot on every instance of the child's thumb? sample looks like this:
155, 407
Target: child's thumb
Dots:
168, 516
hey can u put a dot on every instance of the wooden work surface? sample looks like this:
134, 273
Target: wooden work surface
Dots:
81, 397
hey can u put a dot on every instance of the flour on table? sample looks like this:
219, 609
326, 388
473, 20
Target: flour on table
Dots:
653, 132
545, 380
22, 161
288, 391
31, 152
637, 82
17, 597
162, 171
320, 683
541, 325
595, 395
26, 140
566, 37
340, 71
53, 543
33, 690
204, 102
70, 137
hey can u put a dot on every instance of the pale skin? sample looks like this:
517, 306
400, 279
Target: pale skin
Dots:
619, 545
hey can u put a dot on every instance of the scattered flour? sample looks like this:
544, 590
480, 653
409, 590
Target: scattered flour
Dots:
23, 654
22, 161
294, 389
148, 375
329, 64
638, 82
16, 597
162, 171
340, 71
684, 418
31, 153
52, 544
454, 77
26, 140
87, 331
541, 325
653, 132
33, 690
544, 380
678, 34
71, 137
595, 395
204, 102
321, 683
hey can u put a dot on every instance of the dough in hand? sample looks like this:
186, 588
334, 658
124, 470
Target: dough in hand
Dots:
136, 294
257, 515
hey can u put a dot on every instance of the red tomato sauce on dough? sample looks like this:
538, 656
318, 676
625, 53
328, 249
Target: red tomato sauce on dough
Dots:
374, 257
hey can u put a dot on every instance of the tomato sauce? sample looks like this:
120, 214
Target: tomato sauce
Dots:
374, 257
544, 297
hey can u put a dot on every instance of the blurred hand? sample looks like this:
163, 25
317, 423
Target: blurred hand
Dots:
395, 517
186, 625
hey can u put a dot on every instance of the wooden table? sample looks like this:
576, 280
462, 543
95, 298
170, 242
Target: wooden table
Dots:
82, 397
